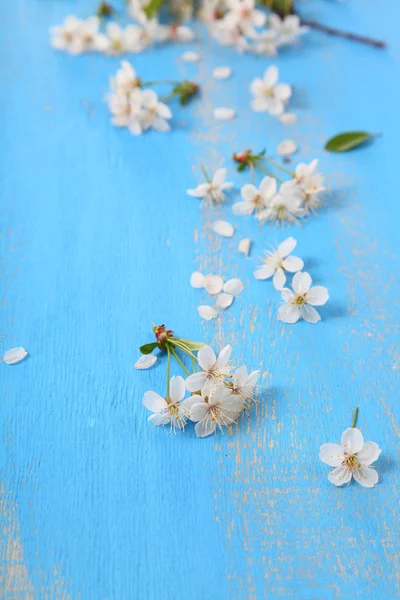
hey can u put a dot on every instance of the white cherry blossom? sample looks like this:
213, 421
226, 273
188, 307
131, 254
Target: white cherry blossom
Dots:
171, 410
126, 79
255, 199
286, 206
270, 96
242, 384
266, 42
351, 458
120, 40
300, 303
243, 14
212, 189
287, 29
310, 183
215, 408
78, 36
155, 114
213, 370
276, 262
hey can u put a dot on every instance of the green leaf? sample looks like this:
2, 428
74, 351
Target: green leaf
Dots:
152, 7
347, 140
148, 348
190, 344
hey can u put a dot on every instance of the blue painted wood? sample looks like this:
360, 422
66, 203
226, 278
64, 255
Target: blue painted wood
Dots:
98, 241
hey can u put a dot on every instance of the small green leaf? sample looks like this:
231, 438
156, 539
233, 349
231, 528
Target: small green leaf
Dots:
347, 140
148, 348
152, 7
190, 344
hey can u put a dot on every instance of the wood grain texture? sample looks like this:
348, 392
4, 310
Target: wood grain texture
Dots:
98, 241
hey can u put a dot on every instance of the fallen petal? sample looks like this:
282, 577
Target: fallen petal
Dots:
288, 118
213, 284
15, 355
224, 300
244, 246
287, 147
197, 280
207, 312
223, 228
234, 286
223, 114
222, 72
146, 361
190, 56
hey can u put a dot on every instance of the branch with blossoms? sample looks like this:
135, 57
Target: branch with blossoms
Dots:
217, 397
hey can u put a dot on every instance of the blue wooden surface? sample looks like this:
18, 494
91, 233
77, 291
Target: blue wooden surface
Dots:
98, 241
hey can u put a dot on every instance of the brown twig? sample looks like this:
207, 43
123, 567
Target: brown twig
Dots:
344, 34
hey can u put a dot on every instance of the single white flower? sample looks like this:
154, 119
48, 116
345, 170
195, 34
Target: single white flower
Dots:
213, 370
214, 408
222, 72
351, 458
125, 79
244, 246
170, 410
214, 189
266, 42
285, 206
155, 114
288, 118
127, 110
14, 355
207, 312
287, 29
64, 36
242, 384
243, 14
270, 96
278, 261
223, 228
223, 114
145, 361
190, 56
310, 183
287, 147
255, 199
300, 304
120, 40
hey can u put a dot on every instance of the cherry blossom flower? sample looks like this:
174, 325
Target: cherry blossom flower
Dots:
243, 14
64, 36
266, 42
285, 206
351, 458
127, 110
154, 113
256, 199
310, 183
125, 79
242, 384
170, 410
213, 370
270, 96
78, 36
300, 304
214, 408
120, 40
212, 189
278, 261
287, 29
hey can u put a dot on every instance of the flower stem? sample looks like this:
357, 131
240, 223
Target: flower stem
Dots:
160, 82
179, 361
183, 348
168, 368
355, 415
344, 34
206, 177
251, 172
278, 166
264, 169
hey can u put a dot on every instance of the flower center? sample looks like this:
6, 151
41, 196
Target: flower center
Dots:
280, 211
299, 300
351, 462
268, 92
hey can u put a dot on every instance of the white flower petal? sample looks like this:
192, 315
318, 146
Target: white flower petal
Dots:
223, 228
331, 454
190, 56
234, 287
286, 247
207, 312
206, 357
265, 271
288, 313
198, 410
340, 475
352, 440
244, 246
197, 280
223, 359
288, 118
205, 428
160, 419
213, 284
145, 361
293, 264
301, 282
366, 476
222, 72
279, 279
309, 314
154, 402
224, 300
223, 114
318, 295
242, 209
177, 388
195, 382
287, 147
369, 454
15, 355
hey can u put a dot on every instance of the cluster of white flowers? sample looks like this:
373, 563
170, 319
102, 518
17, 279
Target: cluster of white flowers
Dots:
133, 107
218, 395
215, 286
240, 24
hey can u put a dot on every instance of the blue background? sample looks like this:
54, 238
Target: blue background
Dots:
98, 241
